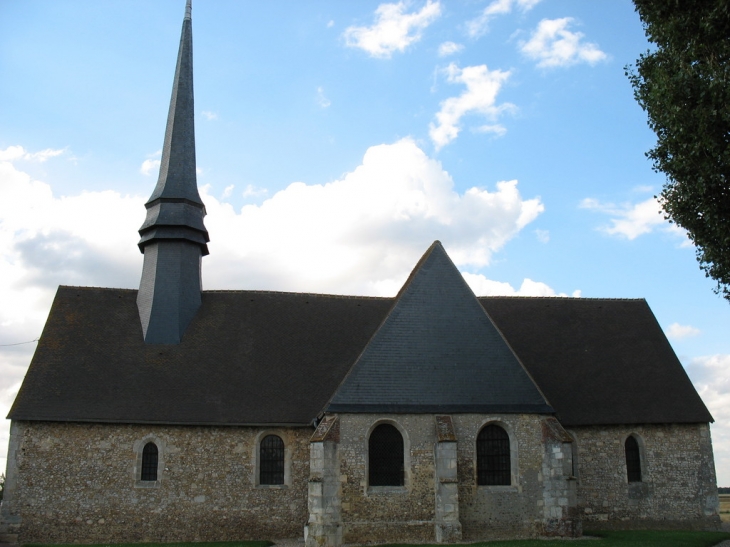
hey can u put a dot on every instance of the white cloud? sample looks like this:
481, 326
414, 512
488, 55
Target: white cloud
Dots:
210, 116
711, 376
228, 191
677, 331
322, 100
449, 48
543, 236
393, 30
362, 233
151, 164
14, 153
330, 23
487, 287
553, 45
478, 26
480, 96
254, 191
632, 220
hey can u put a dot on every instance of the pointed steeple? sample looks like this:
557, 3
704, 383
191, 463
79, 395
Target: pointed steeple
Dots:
437, 350
173, 236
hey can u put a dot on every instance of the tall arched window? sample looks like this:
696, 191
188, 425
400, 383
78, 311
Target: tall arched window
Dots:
633, 459
493, 456
385, 456
271, 460
149, 462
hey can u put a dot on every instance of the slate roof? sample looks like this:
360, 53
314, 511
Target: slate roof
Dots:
247, 358
599, 361
438, 351
254, 357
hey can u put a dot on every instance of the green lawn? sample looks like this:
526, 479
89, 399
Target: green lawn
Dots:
197, 544
607, 539
643, 538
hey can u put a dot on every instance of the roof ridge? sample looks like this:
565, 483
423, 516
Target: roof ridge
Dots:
89, 287
329, 295
555, 297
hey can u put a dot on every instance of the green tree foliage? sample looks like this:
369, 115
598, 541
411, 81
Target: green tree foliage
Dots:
684, 87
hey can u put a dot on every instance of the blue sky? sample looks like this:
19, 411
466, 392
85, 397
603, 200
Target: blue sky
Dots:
335, 142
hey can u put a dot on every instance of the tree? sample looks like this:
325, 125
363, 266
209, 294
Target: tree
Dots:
684, 87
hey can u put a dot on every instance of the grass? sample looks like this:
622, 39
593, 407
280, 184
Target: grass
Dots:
634, 538
176, 544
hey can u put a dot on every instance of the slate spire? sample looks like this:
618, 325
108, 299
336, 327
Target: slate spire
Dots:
173, 236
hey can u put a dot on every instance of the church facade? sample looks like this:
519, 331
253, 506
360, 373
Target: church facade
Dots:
170, 413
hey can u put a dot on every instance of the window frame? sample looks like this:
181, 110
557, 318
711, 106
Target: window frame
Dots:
138, 448
256, 479
507, 441
383, 489
639, 461
513, 452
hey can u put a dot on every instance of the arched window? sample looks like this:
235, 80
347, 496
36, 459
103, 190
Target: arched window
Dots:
493, 456
385, 456
633, 459
149, 462
271, 460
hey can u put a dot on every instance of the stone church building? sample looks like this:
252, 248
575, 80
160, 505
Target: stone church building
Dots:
170, 413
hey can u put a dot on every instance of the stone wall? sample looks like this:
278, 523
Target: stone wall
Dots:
408, 513
79, 482
517, 510
678, 487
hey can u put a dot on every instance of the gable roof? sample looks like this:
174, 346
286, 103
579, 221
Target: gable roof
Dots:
599, 361
437, 351
248, 357
257, 357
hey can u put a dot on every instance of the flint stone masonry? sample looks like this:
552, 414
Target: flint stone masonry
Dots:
678, 487
517, 510
446, 471
78, 482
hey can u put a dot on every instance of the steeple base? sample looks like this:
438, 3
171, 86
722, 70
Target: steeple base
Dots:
169, 293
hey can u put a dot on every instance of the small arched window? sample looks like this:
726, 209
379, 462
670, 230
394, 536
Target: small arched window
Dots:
271, 460
633, 459
149, 462
493, 456
385, 456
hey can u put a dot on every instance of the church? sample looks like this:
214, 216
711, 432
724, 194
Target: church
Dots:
170, 413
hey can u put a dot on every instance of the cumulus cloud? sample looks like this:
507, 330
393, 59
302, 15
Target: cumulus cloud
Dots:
677, 331
393, 30
543, 236
632, 220
364, 232
480, 25
252, 191
14, 153
710, 374
553, 45
449, 48
480, 97
228, 191
482, 286
151, 164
